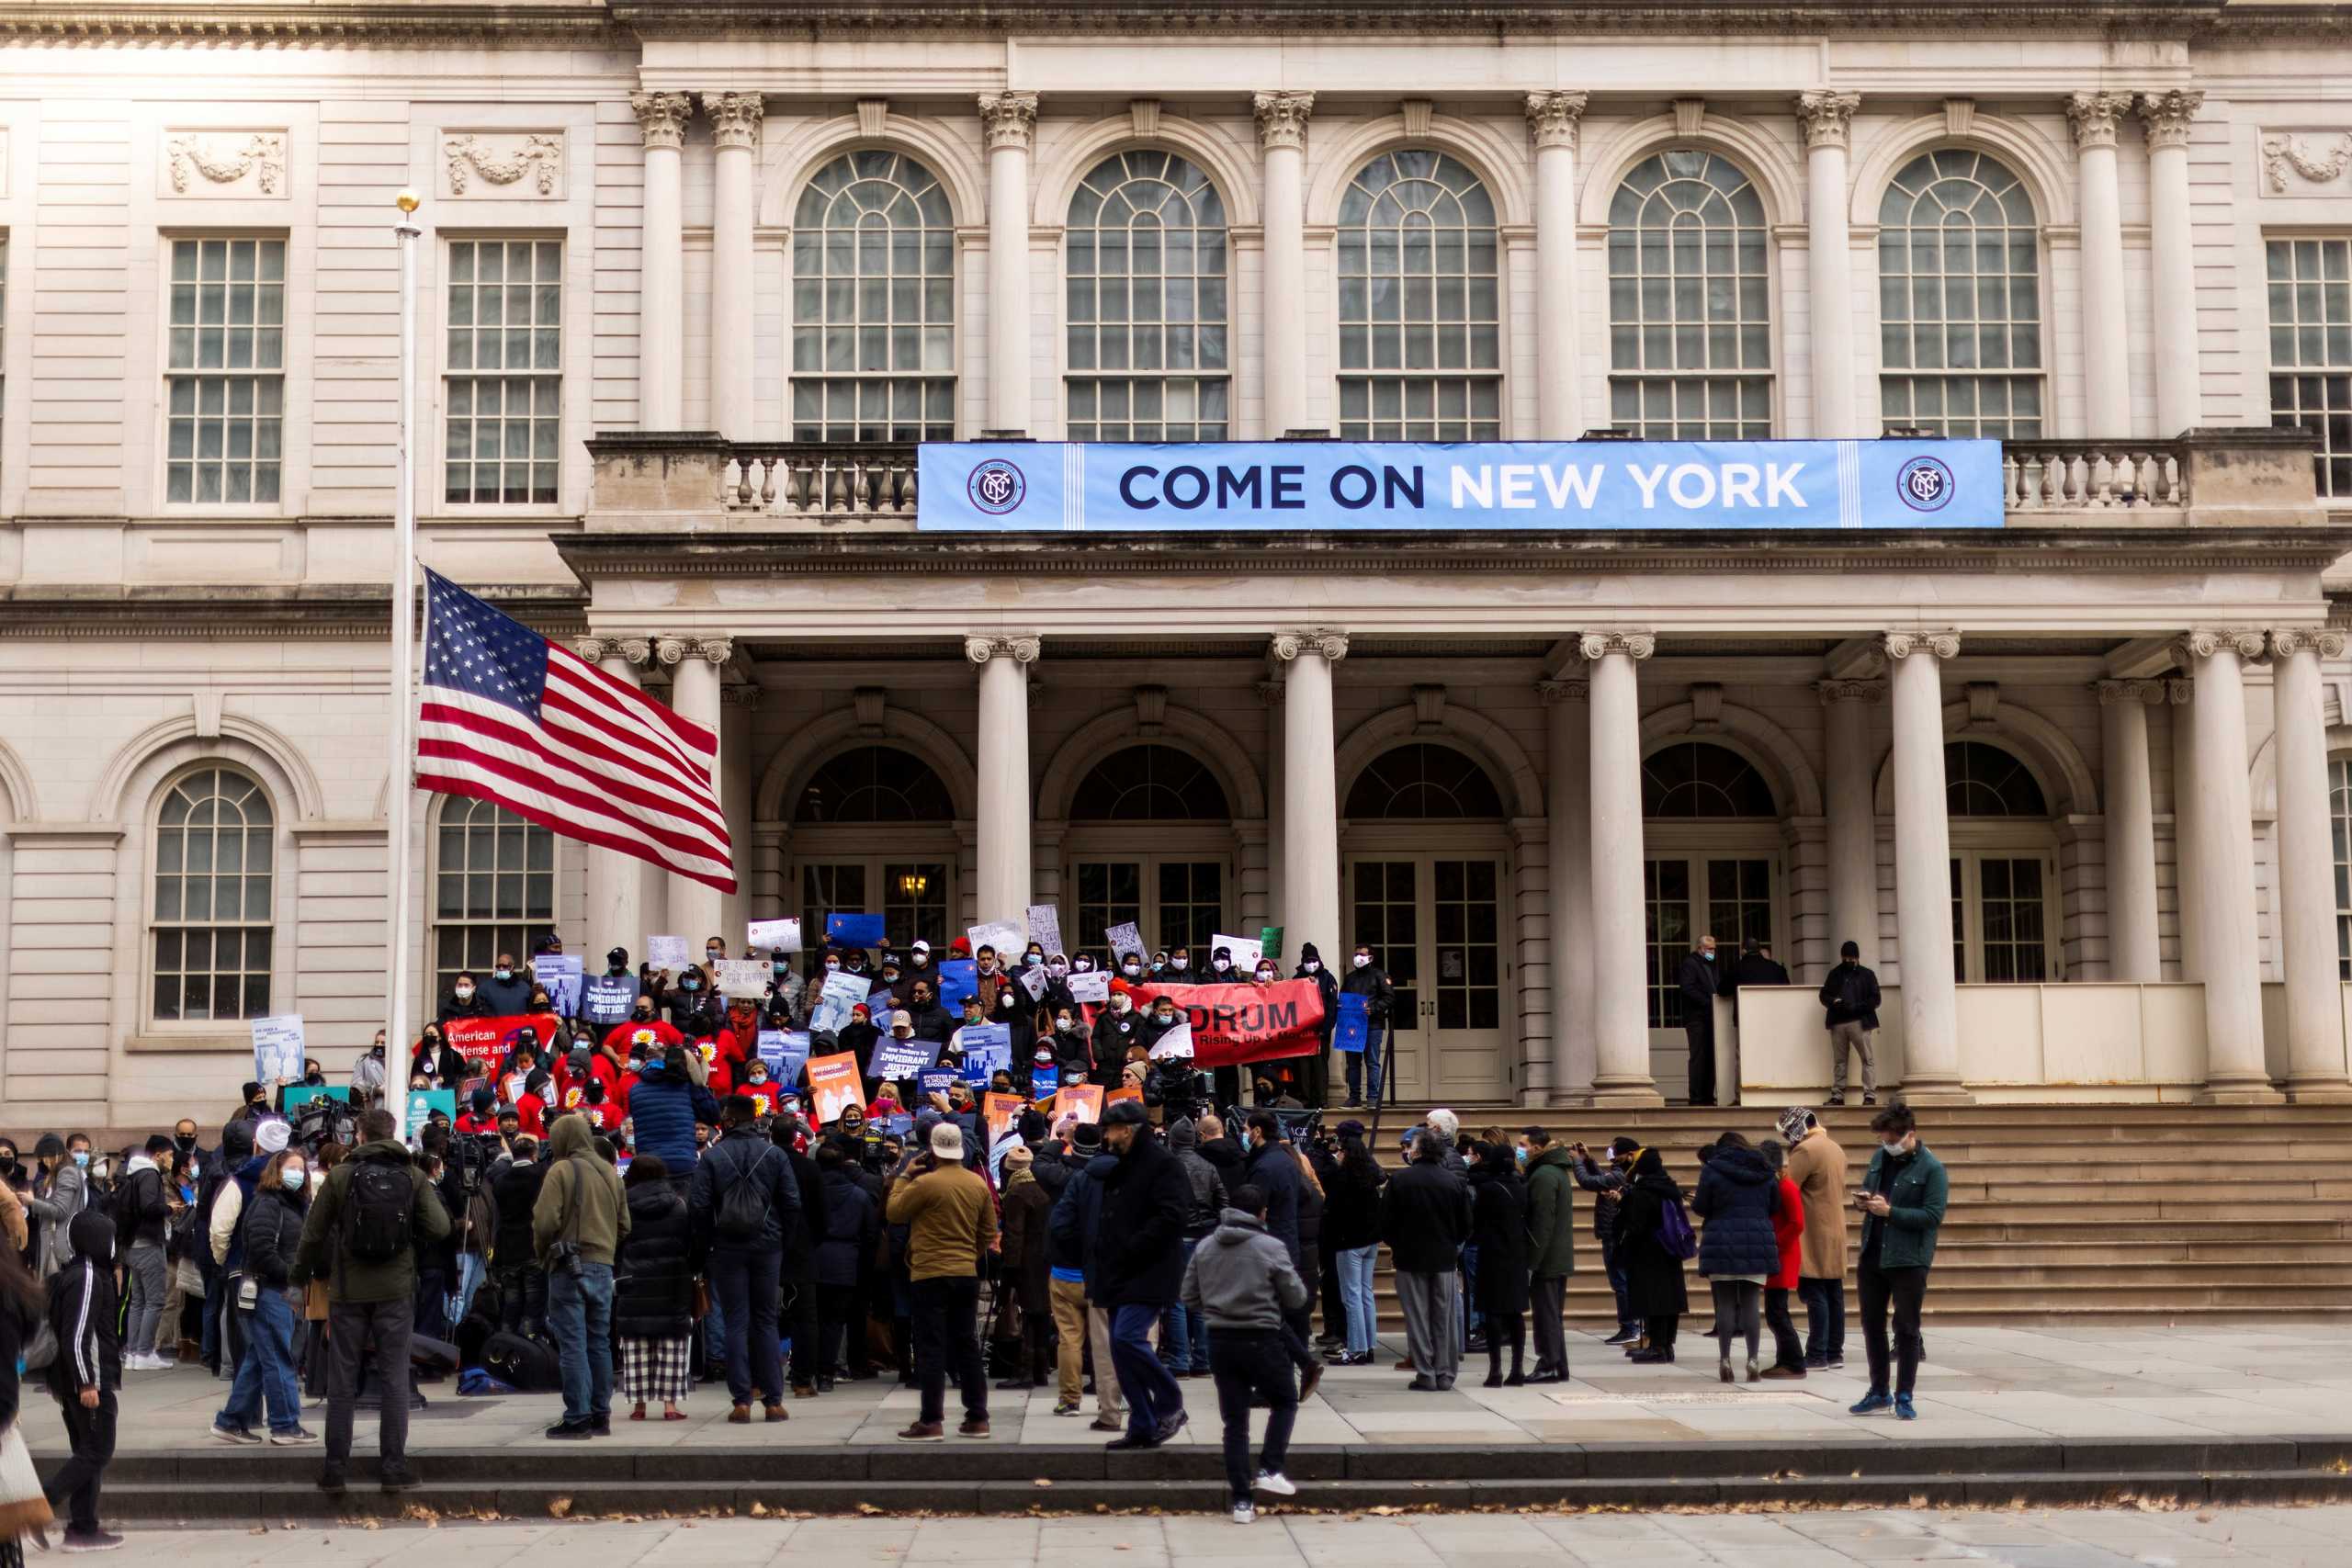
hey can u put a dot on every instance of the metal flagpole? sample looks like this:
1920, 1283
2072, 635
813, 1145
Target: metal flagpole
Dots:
403, 690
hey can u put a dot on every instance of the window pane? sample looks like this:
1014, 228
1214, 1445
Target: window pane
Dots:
872, 339
1418, 291
477, 912
212, 898
504, 433
2311, 329
1690, 303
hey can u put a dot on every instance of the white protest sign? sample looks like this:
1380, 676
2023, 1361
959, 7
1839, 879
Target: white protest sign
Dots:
768, 934
1095, 986
1004, 937
1176, 1045
1123, 941
842, 991
278, 1049
1045, 928
1246, 952
744, 977
666, 952
1033, 980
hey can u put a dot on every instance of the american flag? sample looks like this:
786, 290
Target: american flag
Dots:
510, 717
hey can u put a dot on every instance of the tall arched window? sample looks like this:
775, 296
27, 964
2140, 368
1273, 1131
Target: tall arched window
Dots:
874, 784
1424, 782
912, 884
1985, 781
493, 888
214, 880
1692, 779
1959, 298
2339, 801
1420, 307
1690, 303
1148, 305
873, 303
1149, 783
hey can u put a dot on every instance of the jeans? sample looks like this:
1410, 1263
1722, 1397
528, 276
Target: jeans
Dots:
1176, 1331
150, 1277
1903, 1290
1472, 1318
1153, 1399
1252, 1365
947, 1337
90, 1433
472, 1269
523, 1300
1616, 1272
211, 1350
351, 1326
266, 1373
1356, 1264
1824, 1318
1365, 1062
432, 1316
1788, 1350
580, 1314
744, 1285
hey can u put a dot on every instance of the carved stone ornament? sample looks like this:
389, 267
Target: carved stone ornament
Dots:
2096, 117
1269, 692
1902, 644
2148, 693
1553, 119
1828, 118
734, 117
2167, 117
2204, 642
1020, 650
1850, 691
2283, 154
226, 158
1282, 119
1009, 118
662, 117
594, 649
1331, 645
1634, 645
670, 649
501, 160
2285, 640
637, 649
1564, 690
714, 650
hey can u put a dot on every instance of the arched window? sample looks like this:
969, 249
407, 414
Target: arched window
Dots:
1985, 781
1420, 307
1150, 783
1147, 303
873, 303
874, 784
214, 858
1690, 303
2340, 801
1692, 779
1422, 783
1959, 298
493, 889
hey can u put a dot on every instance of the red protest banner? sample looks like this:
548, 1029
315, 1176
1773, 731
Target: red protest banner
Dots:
484, 1042
1233, 1025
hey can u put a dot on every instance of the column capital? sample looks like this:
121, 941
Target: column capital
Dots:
1904, 644
1010, 119
2167, 117
1553, 119
1847, 690
2095, 118
678, 649
1565, 691
1270, 693
734, 117
1330, 643
636, 649
661, 118
2204, 642
1828, 118
1282, 119
2178, 692
744, 694
2148, 693
1021, 649
1634, 645
594, 649
2324, 641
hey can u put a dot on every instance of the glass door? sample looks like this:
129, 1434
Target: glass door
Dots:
1434, 924
1686, 897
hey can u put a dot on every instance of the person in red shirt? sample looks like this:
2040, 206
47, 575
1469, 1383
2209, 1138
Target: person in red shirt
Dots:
1788, 1229
624, 1041
481, 1114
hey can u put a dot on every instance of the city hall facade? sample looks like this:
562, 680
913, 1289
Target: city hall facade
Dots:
697, 278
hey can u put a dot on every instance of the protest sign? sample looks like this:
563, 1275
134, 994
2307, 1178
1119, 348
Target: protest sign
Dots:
988, 1050
958, 978
744, 977
605, 999
999, 934
1001, 1111
1124, 1091
841, 992
1353, 1027
879, 1001
894, 1058
1234, 1024
853, 930
484, 1042
666, 952
1086, 1098
895, 1126
768, 935
1124, 940
559, 972
785, 1051
1095, 986
1270, 938
833, 1085
1033, 980
1045, 928
1244, 949
300, 1095
423, 1102
934, 1080
1176, 1045
278, 1049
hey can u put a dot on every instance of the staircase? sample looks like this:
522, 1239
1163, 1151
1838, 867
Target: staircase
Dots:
2059, 1213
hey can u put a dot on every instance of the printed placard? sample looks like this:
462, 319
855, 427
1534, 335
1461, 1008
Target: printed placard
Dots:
1354, 1025
1001, 1111
894, 1058
559, 972
745, 976
1095, 986
841, 992
1085, 1099
958, 978
1270, 939
853, 930
1033, 980
278, 1048
785, 1051
1176, 1045
1245, 952
1002, 935
833, 1085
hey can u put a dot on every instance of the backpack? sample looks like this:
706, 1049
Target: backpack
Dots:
526, 1365
1674, 1233
376, 1207
742, 1214
122, 1208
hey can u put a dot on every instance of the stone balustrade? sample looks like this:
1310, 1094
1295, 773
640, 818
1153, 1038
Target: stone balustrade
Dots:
2079, 477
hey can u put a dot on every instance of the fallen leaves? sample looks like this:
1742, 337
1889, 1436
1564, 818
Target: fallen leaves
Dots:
559, 1508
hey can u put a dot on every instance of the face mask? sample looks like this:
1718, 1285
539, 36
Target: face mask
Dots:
1222, 966
759, 1077
1180, 964
82, 1158
186, 1141
1064, 1026
1362, 959
1164, 1017
616, 970
779, 969
1310, 966
643, 1015
690, 985
293, 1179
1708, 956
1086, 967
712, 955
503, 974
1894, 1148
1121, 1003
538, 1004
1131, 969
1265, 976
465, 993
833, 966
1058, 970
1031, 960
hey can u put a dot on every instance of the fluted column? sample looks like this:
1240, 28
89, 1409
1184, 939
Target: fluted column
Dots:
1827, 120
1552, 120
616, 882
2132, 948
1270, 697
1931, 1073
2315, 1064
1620, 952
1310, 855
2223, 805
735, 127
1568, 762
1282, 138
661, 321
1010, 122
2167, 117
1850, 799
2106, 383
2188, 896
737, 781
696, 910
1004, 804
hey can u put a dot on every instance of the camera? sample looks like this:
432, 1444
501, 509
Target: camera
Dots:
324, 1120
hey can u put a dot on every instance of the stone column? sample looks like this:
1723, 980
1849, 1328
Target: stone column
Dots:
2223, 805
1620, 950
2132, 952
1282, 135
2107, 384
2187, 897
661, 288
2315, 1065
615, 881
1568, 764
697, 663
1850, 799
2167, 117
1270, 697
1552, 119
738, 780
735, 127
1010, 121
1828, 120
1311, 851
1923, 869
1004, 804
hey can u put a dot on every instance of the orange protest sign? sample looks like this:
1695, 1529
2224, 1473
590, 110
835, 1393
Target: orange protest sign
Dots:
833, 1085
1124, 1091
1001, 1109
1086, 1098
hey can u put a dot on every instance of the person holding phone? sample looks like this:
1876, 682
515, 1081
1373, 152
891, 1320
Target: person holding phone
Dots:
1902, 1201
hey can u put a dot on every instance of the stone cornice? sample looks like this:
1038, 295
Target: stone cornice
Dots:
325, 613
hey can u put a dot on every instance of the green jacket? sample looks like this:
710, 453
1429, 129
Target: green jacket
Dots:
1915, 1212
321, 1253
580, 1199
1551, 1213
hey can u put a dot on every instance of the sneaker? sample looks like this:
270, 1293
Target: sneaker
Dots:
232, 1434
1067, 1407
923, 1432
1623, 1337
1870, 1100
92, 1540
331, 1481
571, 1431
1904, 1409
294, 1439
976, 1427
1816, 1364
1275, 1481
601, 1426
1838, 1361
1243, 1514
1835, 1100
1871, 1404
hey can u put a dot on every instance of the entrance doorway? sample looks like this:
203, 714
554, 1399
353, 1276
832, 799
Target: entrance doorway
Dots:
1435, 923
1684, 897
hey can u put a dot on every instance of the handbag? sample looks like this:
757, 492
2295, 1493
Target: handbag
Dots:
22, 1507
702, 1300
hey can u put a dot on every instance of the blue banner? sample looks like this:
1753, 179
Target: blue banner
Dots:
853, 930
1612, 485
958, 978
1354, 1023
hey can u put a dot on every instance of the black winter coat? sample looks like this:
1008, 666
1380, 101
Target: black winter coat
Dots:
1138, 1249
1737, 1196
1498, 1228
851, 1220
653, 1275
1352, 1207
1654, 1285
1114, 1033
1425, 1218
514, 1188
800, 1255
1274, 1170
272, 1223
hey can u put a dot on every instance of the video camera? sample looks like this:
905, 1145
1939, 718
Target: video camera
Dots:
473, 1154
324, 1120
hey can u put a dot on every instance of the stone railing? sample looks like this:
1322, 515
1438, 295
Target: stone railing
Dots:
2079, 477
805, 479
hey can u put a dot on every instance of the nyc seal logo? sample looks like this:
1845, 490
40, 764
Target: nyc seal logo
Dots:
996, 487
1925, 484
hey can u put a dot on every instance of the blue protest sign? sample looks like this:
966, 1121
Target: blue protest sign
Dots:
785, 1051
1354, 1026
301, 1095
988, 1048
958, 978
896, 1059
423, 1102
934, 1080
853, 930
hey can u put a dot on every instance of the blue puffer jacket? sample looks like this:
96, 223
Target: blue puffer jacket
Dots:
662, 1109
1737, 1198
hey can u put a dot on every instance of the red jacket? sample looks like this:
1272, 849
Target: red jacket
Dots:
1788, 1229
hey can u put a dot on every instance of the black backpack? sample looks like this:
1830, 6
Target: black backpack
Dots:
742, 1213
376, 1209
524, 1365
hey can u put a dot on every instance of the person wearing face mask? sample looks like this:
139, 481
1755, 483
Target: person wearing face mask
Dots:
464, 999
1033, 956
1817, 1165
61, 1192
1073, 1048
1057, 992
605, 999
271, 1232
930, 1021
506, 990
86, 1376
1161, 1018
1131, 967
918, 964
434, 1058
1221, 966
1366, 979
713, 952
1902, 1200
1317, 1068
1605, 1180
785, 1005
1180, 966
1699, 984
367, 1075
694, 1008
1115, 1029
